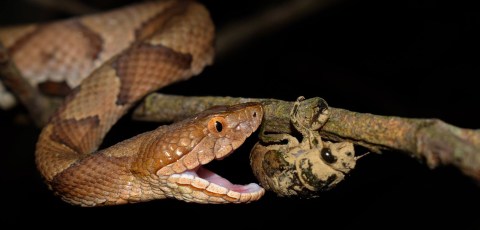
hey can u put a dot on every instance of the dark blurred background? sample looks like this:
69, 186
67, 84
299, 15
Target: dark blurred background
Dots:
398, 58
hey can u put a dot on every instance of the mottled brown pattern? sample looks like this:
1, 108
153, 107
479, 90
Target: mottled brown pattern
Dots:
56, 89
95, 40
75, 133
20, 43
133, 74
172, 41
61, 51
57, 115
93, 174
151, 26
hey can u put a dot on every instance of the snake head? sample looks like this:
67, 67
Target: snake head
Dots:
185, 147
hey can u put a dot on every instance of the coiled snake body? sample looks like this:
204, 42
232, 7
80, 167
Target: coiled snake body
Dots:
126, 54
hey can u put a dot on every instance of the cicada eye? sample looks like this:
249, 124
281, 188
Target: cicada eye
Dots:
327, 156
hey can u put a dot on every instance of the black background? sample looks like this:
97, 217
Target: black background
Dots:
399, 58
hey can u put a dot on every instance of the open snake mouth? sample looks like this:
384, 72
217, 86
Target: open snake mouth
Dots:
202, 185
187, 179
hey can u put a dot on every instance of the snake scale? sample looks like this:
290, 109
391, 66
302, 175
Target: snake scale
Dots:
106, 63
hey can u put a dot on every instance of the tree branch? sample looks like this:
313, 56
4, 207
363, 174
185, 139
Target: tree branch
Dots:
432, 140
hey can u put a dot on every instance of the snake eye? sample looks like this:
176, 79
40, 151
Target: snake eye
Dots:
216, 124
328, 156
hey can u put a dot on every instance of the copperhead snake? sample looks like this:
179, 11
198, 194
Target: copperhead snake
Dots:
126, 54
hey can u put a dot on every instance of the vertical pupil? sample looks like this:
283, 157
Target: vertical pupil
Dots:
218, 126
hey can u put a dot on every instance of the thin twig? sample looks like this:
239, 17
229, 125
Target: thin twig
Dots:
432, 140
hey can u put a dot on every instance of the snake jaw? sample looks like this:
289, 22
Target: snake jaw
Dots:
204, 186
200, 185
187, 180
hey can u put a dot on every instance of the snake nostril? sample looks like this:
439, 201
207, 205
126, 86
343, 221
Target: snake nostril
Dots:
254, 114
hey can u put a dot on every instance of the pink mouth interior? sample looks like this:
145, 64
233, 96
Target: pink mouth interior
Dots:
217, 179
